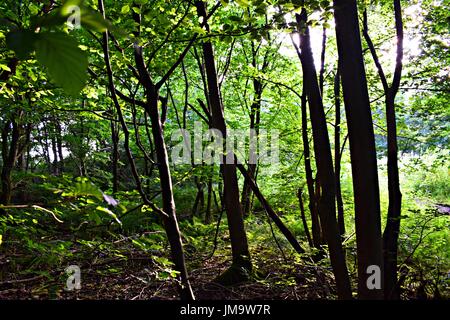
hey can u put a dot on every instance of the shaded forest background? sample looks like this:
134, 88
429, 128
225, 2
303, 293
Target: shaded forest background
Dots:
91, 93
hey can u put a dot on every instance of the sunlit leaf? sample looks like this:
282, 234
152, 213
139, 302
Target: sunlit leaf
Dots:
110, 213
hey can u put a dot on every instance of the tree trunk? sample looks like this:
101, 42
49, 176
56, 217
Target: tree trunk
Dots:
325, 173
9, 157
6, 185
199, 198
303, 217
337, 153
255, 119
391, 232
169, 219
315, 223
239, 246
392, 229
60, 147
115, 156
208, 215
54, 148
362, 145
46, 146
322, 60
247, 191
170, 222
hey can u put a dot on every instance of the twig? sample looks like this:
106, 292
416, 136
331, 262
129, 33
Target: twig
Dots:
31, 206
216, 235
9, 282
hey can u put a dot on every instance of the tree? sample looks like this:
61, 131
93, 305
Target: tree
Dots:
239, 246
362, 145
338, 152
315, 223
391, 232
255, 115
325, 174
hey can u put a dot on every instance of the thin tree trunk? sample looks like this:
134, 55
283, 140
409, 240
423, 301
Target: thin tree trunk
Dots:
239, 246
46, 146
115, 156
303, 217
362, 146
315, 223
208, 216
60, 147
325, 173
392, 229
23, 148
322, 60
5, 198
255, 119
170, 222
391, 232
199, 198
169, 219
54, 148
9, 157
247, 191
337, 153
6, 185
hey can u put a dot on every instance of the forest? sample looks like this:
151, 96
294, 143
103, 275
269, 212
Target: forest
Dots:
225, 150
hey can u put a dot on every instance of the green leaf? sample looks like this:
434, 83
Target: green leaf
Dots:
21, 41
5, 67
162, 261
84, 188
66, 8
146, 208
110, 213
34, 9
65, 62
199, 30
1, 239
243, 3
88, 18
95, 21
57, 17
125, 9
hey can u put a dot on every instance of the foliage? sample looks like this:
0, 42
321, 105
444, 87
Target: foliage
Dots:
65, 207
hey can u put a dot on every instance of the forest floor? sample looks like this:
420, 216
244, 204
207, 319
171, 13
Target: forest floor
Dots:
122, 267
135, 282
134, 279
